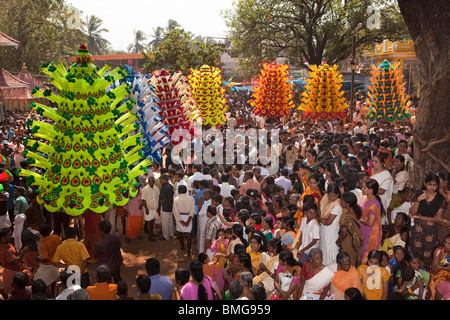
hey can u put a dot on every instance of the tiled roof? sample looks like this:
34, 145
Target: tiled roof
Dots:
7, 80
6, 40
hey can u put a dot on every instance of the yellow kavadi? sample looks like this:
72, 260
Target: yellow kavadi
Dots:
209, 95
84, 163
324, 97
273, 95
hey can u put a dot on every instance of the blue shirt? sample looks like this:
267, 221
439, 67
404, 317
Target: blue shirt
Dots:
198, 194
162, 286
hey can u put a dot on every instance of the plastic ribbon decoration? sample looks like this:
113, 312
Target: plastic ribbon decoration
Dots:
209, 95
324, 98
386, 99
84, 162
173, 101
273, 95
155, 134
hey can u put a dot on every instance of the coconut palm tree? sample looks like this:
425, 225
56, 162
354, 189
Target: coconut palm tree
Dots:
137, 46
172, 25
158, 37
95, 41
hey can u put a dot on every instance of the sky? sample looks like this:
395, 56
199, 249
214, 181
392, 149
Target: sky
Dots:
122, 18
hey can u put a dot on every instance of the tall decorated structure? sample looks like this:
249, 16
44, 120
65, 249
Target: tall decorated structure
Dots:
386, 99
208, 95
324, 97
273, 95
84, 160
173, 100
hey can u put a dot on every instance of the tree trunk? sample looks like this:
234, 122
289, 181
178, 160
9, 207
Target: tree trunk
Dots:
428, 24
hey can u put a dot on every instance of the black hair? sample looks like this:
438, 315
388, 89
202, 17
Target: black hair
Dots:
122, 287
374, 254
310, 205
70, 232
334, 188
45, 229
144, 283
246, 260
182, 275
320, 181
269, 221
276, 243
212, 210
105, 226
352, 200
373, 185
354, 294
202, 257
152, 266
21, 280
182, 189
196, 268
286, 255
258, 292
431, 177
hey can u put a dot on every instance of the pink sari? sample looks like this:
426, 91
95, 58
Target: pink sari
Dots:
372, 235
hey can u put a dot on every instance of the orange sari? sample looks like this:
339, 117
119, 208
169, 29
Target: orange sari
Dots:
439, 277
315, 193
344, 280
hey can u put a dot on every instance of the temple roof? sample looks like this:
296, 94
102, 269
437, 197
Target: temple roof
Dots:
7, 41
25, 76
7, 80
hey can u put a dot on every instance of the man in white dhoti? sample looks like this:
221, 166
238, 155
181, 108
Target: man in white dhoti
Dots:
150, 202
203, 218
183, 213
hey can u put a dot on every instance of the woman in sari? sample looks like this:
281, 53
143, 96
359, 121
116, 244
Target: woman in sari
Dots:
288, 232
330, 213
440, 268
426, 211
268, 268
385, 182
370, 222
315, 277
315, 187
287, 277
257, 251
345, 276
301, 174
350, 238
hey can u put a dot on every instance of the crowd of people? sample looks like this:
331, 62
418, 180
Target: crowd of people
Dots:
339, 220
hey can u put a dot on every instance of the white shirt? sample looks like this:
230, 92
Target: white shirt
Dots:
184, 203
196, 176
284, 182
225, 189
180, 183
401, 180
310, 231
357, 129
151, 197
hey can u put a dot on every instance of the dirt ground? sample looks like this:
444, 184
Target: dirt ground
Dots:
136, 252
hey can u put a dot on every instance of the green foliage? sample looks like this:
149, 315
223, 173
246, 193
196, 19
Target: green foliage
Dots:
306, 32
42, 30
180, 52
